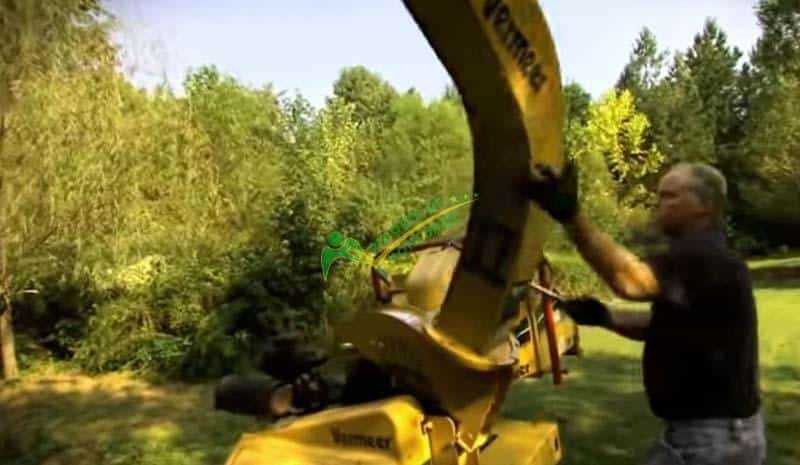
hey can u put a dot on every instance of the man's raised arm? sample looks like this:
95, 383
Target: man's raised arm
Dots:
628, 276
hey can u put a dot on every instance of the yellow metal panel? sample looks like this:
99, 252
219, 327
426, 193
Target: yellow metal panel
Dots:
276, 451
469, 388
427, 283
441, 433
384, 432
523, 443
503, 61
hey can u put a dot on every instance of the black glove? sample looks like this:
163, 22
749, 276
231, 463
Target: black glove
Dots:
556, 193
586, 311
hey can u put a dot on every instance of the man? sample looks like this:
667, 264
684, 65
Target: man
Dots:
700, 359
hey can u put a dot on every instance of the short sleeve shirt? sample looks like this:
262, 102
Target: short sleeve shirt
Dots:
701, 349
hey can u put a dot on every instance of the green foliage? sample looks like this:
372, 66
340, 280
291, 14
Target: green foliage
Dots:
713, 65
370, 95
683, 131
181, 234
573, 277
773, 197
769, 149
577, 101
37, 37
614, 158
700, 109
777, 51
646, 66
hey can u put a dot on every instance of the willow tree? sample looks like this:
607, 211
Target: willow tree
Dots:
37, 39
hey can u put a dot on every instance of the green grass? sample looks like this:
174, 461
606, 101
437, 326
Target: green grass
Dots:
65, 418
53, 416
774, 263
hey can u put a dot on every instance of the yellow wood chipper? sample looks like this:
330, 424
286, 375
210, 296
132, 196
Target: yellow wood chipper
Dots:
446, 341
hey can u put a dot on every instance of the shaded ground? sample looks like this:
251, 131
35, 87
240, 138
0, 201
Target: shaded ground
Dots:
53, 417
776, 272
112, 419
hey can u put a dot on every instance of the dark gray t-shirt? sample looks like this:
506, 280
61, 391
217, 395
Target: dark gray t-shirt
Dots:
701, 349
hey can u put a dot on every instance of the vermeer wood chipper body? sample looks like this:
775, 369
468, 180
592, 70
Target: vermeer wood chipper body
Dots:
450, 340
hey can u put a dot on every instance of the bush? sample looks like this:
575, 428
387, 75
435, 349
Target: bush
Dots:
572, 277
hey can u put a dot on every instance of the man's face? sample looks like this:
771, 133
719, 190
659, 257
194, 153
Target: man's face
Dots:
679, 208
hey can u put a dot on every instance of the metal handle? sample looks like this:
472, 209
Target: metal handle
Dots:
548, 301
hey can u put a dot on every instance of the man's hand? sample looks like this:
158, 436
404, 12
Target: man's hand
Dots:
587, 311
556, 193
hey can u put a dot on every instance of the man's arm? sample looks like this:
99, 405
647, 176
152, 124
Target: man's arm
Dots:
630, 324
628, 276
589, 311
557, 193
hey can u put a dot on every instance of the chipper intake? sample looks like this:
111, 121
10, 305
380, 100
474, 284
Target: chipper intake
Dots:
452, 367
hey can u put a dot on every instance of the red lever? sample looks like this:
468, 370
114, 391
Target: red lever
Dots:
548, 303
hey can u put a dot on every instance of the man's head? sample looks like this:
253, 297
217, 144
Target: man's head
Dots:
691, 196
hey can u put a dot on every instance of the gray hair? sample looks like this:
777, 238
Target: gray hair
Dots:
710, 186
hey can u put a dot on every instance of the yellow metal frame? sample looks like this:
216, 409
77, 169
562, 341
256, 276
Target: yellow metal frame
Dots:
394, 432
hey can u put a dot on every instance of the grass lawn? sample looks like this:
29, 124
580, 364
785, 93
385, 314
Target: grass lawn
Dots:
57, 417
775, 263
64, 418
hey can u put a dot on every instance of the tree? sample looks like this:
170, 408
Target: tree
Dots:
773, 196
730, 95
452, 94
771, 88
36, 39
698, 107
645, 76
239, 121
429, 144
777, 51
775, 135
370, 94
614, 138
713, 65
577, 101
371, 98
682, 131
644, 70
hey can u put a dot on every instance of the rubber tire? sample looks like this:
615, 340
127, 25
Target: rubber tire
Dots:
245, 394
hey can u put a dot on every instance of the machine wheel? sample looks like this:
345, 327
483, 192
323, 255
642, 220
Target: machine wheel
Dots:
246, 395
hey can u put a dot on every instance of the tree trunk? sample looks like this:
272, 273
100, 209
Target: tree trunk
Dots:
8, 355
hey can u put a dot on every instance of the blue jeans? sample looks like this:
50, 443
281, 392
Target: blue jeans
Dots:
729, 441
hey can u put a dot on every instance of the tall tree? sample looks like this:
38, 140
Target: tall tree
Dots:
645, 76
645, 67
371, 95
577, 101
36, 38
682, 131
713, 65
452, 94
371, 98
777, 51
772, 91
